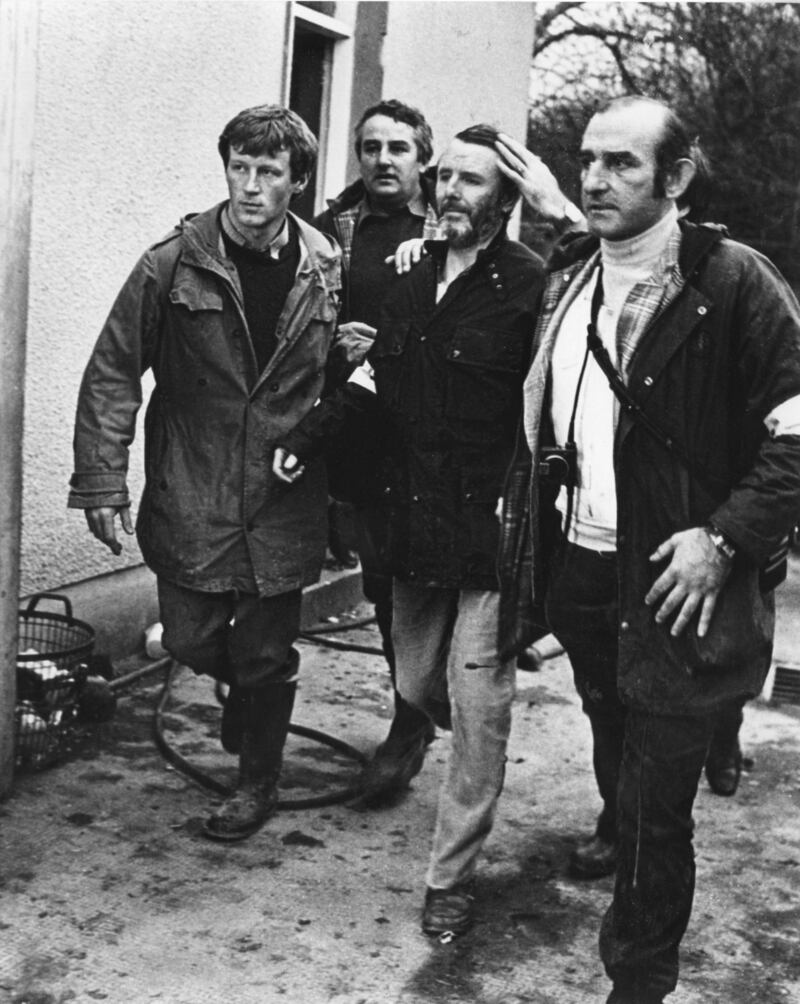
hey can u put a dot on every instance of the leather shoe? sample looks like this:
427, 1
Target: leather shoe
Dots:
449, 911
593, 858
723, 770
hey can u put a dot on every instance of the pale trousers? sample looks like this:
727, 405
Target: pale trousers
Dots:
447, 639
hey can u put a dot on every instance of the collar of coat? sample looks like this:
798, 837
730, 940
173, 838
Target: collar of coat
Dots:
200, 236
697, 239
487, 259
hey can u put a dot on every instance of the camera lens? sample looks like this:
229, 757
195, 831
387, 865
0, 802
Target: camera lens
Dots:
557, 467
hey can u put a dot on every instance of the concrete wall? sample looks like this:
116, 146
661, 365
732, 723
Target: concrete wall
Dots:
132, 95
131, 99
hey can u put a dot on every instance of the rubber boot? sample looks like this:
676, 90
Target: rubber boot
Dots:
230, 733
267, 713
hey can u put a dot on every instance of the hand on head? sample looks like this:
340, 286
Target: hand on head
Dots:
534, 179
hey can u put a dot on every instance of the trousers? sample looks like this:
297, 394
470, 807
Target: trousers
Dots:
236, 638
449, 637
647, 767
582, 613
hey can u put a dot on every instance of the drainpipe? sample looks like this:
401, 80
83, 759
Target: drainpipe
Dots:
18, 27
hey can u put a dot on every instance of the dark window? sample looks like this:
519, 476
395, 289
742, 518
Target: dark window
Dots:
308, 94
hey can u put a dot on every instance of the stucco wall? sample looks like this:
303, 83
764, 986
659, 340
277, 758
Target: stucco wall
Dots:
461, 63
132, 95
131, 99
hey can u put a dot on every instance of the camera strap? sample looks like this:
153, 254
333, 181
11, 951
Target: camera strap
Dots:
772, 572
627, 401
570, 443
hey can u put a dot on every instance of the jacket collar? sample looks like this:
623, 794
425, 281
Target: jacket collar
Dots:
201, 238
487, 259
697, 239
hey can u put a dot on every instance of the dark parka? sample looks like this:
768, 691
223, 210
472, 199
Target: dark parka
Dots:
709, 369
212, 517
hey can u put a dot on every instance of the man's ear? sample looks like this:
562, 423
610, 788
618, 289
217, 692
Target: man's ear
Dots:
679, 178
299, 185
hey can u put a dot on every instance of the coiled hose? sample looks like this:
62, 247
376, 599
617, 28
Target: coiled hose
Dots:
316, 636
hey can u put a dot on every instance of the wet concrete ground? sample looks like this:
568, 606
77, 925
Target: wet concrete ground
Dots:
110, 893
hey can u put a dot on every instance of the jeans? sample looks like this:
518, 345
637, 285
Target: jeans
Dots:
449, 636
237, 638
582, 614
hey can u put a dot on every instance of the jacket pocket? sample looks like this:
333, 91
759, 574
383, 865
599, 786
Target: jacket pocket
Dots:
491, 350
195, 297
741, 629
484, 374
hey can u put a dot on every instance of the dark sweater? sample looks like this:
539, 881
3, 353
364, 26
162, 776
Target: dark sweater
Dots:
266, 282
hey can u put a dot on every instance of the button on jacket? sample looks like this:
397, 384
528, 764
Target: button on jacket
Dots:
448, 380
212, 517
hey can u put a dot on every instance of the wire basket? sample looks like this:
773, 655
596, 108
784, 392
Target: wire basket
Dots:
53, 650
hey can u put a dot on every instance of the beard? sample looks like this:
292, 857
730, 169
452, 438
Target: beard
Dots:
478, 223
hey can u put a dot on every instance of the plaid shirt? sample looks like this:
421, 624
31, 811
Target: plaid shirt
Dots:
644, 302
647, 299
347, 222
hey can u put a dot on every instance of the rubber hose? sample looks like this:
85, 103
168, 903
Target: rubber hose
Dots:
207, 781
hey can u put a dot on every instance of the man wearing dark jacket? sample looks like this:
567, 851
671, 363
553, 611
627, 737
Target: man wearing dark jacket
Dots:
234, 312
656, 544
453, 341
392, 202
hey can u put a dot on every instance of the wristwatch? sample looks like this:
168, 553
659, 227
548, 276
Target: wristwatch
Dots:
722, 543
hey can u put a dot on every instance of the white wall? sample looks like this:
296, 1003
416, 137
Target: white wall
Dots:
132, 95
131, 99
461, 63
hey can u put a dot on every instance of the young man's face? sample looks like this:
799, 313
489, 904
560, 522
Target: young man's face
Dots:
260, 189
389, 162
468, 194
618, 172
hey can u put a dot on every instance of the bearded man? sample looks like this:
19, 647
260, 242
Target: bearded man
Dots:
444, 378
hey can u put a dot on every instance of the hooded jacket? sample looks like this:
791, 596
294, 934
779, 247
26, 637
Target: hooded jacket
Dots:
212, 517
709, 369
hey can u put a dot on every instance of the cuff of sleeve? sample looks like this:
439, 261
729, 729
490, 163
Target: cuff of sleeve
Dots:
90, 490
298, 444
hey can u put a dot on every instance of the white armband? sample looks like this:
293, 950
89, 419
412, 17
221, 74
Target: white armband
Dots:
785, 419
364, 376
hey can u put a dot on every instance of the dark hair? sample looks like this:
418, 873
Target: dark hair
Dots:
265, 130
674, 143
695, 200
393, 109
486, 135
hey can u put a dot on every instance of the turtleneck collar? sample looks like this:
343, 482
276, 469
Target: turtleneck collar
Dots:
641, 250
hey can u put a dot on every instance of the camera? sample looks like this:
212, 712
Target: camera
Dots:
558, 465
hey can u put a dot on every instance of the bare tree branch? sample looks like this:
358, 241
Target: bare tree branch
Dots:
546, 18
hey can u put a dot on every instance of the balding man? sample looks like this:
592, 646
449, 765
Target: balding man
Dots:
670, 495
